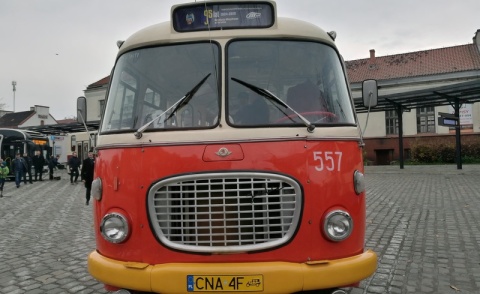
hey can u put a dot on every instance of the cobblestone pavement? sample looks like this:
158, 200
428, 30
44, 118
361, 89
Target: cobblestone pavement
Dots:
423, 222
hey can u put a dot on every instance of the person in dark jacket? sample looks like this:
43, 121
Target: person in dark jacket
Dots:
52, 164
19, 167
88, 165
28, 172
74, 165
38, 163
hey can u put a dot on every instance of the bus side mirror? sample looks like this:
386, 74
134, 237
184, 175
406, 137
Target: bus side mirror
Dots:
370, 93
82, 110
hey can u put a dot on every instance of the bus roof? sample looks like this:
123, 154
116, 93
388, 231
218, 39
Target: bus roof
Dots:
163, 33
22, 133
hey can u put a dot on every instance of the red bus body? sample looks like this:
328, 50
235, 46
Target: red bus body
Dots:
229, 209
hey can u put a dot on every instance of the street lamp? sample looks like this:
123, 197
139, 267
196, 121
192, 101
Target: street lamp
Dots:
14, 89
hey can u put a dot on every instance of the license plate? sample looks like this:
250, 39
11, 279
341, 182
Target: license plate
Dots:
223, 283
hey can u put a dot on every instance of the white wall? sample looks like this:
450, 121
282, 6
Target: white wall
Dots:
60, 147
93, 103
42, 113
476, 115
375, 126
410, 123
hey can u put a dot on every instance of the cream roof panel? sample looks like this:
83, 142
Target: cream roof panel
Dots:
162, 33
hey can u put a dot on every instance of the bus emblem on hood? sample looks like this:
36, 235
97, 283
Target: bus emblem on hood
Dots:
223, 152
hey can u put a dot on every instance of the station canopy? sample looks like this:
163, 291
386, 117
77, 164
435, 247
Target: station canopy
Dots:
461, 92
465, 92
62, 129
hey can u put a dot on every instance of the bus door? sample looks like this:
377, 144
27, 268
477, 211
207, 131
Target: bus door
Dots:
9, 149
85, 150
80, 150
4, 154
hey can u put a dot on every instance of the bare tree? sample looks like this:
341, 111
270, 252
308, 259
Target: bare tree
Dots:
3, 105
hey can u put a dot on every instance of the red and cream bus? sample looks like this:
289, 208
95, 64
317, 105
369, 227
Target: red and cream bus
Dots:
229, 158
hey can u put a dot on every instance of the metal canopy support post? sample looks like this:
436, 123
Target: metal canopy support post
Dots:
458, 141
399, 110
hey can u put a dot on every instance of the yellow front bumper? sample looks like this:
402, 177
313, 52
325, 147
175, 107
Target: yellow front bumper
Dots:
278, 277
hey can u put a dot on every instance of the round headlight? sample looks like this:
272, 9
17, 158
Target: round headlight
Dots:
97, 189
338, 225
114, 228
358, 182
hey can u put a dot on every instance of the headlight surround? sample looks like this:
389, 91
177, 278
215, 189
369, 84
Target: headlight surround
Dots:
114, 228
338, 225
358, 182
97, 189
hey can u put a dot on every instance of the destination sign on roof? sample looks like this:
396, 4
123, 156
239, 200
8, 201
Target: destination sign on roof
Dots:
231, 15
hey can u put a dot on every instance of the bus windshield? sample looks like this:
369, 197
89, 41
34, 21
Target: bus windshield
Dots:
149, 84
176, 87
306, 76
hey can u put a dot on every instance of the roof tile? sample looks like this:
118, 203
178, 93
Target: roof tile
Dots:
14, 119
99, 83
414, 64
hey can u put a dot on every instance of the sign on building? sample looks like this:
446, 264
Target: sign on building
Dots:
466, 115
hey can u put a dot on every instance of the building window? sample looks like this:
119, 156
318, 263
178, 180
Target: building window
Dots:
102, 107
391, 122
426, 119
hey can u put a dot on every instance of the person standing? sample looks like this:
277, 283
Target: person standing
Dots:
28, 172
4, 171
19, 167
38, 163
87, 174
52, 164
74, 164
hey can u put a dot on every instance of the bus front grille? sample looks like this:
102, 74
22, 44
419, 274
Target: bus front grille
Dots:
225, 212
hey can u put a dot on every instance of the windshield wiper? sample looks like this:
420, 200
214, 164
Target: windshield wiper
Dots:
341, 110
269, 95
180, 103
185, 99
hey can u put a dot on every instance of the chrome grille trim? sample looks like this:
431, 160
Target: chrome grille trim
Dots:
216, 213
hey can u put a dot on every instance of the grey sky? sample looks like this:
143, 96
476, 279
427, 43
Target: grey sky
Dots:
53, 49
